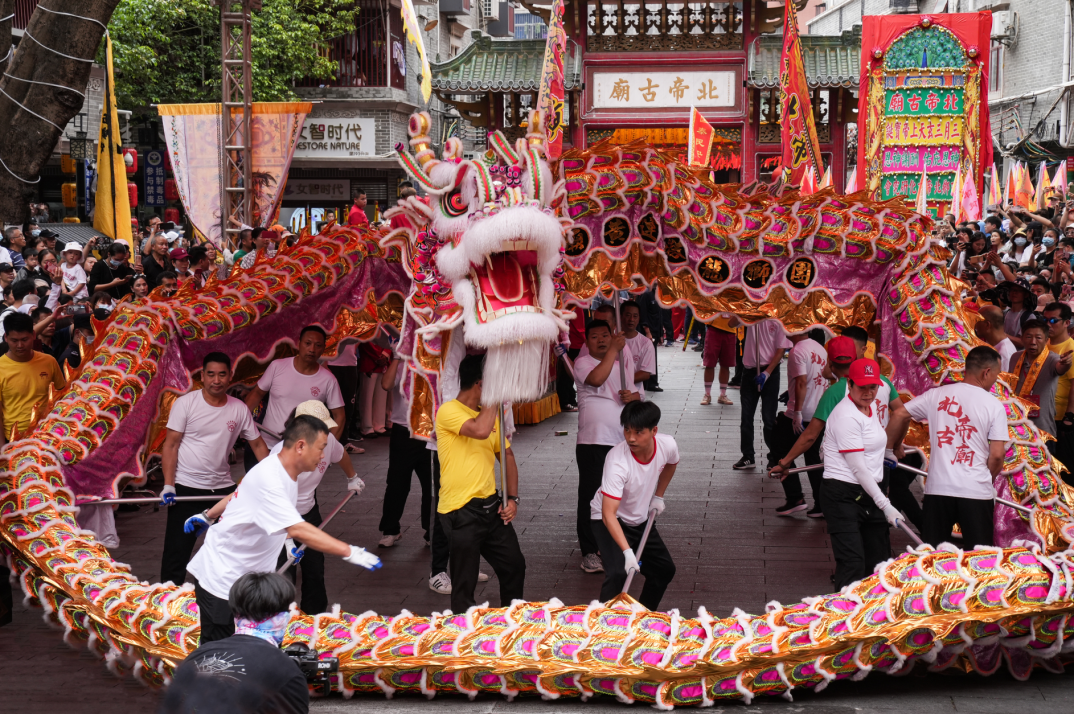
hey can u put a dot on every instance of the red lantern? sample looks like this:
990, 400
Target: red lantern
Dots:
132, 194
167, 160
130, 158
171, 215
171, 190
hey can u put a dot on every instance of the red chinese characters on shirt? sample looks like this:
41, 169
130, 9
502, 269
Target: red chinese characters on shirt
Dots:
962, 429
881, 411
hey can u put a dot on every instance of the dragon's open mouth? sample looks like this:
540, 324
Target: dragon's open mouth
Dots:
506, 282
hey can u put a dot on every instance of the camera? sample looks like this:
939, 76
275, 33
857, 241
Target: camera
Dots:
318, 670
77, 309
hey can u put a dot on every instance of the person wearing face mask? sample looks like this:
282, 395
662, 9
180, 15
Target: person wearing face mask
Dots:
113, 275
1045, 258
1023, 249
246, 671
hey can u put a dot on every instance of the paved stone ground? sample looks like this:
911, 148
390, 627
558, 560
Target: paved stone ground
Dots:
730, 548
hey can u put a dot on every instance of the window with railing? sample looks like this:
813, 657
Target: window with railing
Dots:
360, 58
529, 27
615, 26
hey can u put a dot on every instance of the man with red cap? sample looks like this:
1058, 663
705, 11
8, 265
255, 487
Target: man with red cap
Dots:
842, 351
855, 506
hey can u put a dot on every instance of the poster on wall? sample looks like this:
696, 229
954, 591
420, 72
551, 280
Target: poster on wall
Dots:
923, 106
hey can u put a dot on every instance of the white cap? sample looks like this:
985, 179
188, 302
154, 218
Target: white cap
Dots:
316, 409
72, 246
172, 236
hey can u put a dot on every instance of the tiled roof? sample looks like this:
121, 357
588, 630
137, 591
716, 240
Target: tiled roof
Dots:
490, 64
830, 60
73, 232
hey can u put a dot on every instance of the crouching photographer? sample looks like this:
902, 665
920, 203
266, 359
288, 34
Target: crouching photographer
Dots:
247, 672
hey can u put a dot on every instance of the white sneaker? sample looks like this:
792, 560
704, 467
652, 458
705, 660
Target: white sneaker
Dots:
440, 583
482, 577
389, 540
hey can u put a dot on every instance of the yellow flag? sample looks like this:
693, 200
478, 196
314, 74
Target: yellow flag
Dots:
112, 212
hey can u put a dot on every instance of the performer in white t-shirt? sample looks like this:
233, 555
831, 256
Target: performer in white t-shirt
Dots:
766, 341
203, 427
601, 397
636, 475
290, 381
805, 385
642, 352
259, 517
968, 438
855, 508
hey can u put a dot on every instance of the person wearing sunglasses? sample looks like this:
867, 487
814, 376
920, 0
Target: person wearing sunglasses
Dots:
1057, 316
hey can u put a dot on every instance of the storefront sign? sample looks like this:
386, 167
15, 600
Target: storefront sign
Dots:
912, 158
154, 178
336, 138
336, 190
638, 90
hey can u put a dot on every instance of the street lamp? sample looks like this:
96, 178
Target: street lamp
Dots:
79, 144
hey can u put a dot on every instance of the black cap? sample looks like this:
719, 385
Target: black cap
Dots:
5, 267
48, 233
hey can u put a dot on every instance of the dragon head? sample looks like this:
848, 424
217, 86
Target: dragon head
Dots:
484, 250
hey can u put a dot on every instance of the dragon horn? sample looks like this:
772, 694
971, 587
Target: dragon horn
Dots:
424, 159
503, 147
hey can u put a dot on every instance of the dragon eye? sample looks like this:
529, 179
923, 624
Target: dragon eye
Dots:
454, 204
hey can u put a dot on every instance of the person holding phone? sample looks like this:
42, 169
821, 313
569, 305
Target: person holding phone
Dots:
113, 274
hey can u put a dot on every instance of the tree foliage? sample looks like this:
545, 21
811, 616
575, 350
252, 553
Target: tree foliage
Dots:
169, 52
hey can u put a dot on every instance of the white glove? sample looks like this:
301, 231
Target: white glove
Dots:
167, 495
796, 420
362, 557
355, 484
631, 561
892, 514
657, 504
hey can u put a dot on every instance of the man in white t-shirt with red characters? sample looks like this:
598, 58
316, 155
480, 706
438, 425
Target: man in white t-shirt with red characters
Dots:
203, 427
601, 396
636, 475
805, 385
292, 380
968, 437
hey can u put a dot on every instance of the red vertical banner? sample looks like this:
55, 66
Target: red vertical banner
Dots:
701, 133
550, 98
798, 132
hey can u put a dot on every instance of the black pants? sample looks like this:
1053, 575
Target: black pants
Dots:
769, 399
973, 515
667, 324
792, 485
476, 531
656, 563
439, 546
565, 382
590, 472
654, 381
348, 389
7, 602
899, 481
314, 596
214, 613
858, 529
406, 456
178, 546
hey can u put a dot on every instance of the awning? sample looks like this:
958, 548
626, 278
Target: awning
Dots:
490, 64
830, 60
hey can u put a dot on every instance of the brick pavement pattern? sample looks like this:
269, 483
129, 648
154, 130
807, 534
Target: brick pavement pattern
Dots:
730, 548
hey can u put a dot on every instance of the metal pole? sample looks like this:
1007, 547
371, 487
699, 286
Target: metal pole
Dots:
619, 330
503, 459
641, 547
686, 337
113, 501
290, 556
913, 536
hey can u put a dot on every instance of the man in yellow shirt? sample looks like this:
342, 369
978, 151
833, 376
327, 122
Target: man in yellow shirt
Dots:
476, 523
1057, 317
24, 375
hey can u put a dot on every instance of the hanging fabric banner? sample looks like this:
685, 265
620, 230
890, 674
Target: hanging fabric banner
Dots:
699, 148
112, 206
413, 34
550, 97
798, 133
192, 134
924, 99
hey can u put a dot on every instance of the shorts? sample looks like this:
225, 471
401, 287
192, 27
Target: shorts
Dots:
719, 348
